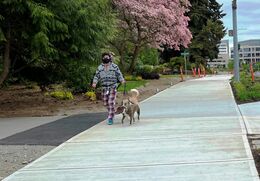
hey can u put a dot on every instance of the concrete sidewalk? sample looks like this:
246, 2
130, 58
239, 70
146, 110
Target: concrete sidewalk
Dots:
192, 131
251, 115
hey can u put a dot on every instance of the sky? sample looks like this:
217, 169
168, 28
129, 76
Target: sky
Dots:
248, 16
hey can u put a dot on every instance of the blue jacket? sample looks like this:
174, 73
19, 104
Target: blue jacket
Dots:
108, 78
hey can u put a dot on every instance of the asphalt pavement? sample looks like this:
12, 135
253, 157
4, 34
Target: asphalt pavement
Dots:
50, 131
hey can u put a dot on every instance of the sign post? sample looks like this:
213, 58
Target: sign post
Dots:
185, 54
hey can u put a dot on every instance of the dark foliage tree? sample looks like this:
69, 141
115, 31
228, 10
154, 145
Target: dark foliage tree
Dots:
55, 40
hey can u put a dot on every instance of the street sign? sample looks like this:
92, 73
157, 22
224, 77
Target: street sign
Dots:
185, 54
230, 33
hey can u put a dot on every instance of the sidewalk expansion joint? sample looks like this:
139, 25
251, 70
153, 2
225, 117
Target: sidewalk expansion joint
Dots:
142, 165
157, 138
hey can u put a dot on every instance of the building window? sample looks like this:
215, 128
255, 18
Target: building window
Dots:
247, 49
247, 55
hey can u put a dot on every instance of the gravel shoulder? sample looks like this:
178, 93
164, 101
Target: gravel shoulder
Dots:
14, 157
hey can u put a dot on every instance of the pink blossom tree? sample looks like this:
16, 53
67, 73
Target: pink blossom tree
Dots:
154, 23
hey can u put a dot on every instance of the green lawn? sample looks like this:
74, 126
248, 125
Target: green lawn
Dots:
132, 85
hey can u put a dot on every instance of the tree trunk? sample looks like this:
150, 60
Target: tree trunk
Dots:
120, 47
122, 63
122, 59
134, 59
7, 60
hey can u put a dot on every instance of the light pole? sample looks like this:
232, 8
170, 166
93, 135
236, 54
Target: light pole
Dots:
235, 41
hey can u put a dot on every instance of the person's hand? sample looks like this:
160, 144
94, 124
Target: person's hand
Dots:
123, 82
94, 85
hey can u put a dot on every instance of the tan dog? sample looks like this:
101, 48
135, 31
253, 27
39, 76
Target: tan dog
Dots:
131, 106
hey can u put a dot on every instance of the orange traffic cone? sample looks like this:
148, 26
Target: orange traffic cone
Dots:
252, 72
194, 72
199, 72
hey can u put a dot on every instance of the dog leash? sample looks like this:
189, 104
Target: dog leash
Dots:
124, 89
120, 109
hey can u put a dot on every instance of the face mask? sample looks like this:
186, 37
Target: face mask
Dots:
106, 59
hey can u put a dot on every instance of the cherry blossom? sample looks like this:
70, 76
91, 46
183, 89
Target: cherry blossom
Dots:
155, 22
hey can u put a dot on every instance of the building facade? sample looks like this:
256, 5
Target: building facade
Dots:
223, 56
249, 51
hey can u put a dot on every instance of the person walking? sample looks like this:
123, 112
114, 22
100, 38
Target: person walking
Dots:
108, 74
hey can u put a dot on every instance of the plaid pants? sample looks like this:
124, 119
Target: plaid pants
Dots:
109, 100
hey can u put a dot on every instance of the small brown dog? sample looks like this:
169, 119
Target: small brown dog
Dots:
131, 106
